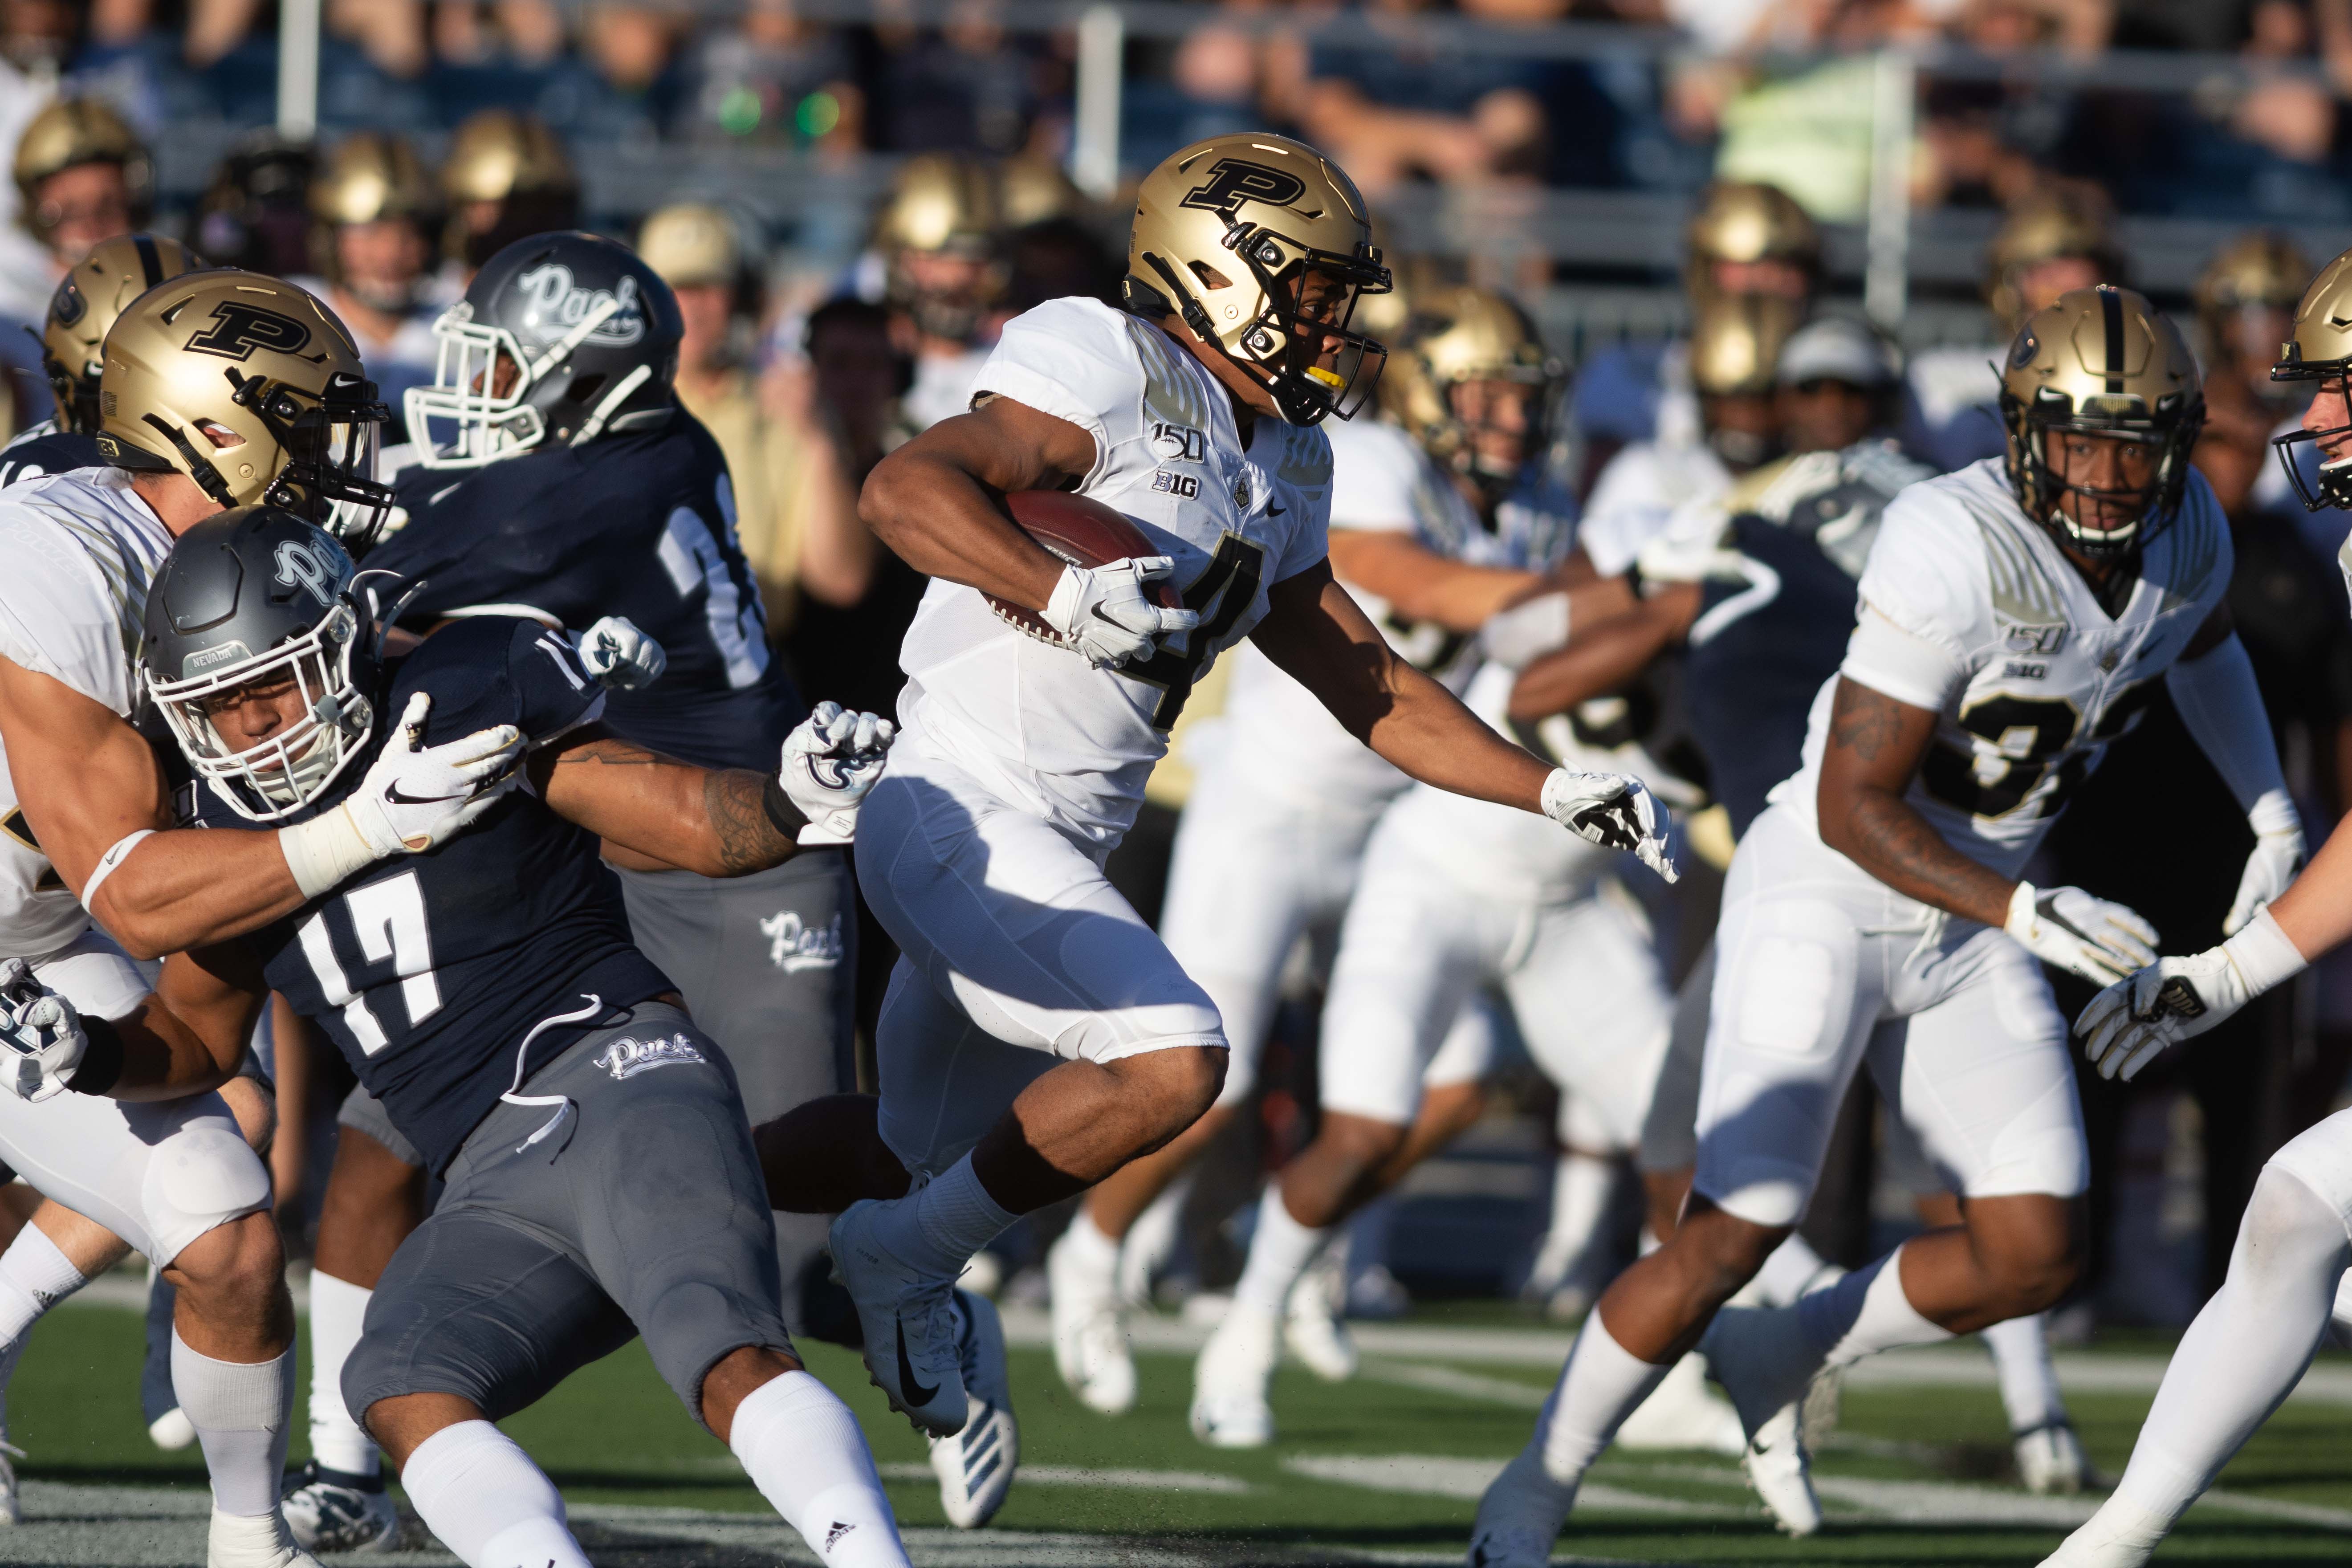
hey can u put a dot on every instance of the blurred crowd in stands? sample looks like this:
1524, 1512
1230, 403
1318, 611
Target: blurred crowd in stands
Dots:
1667, 95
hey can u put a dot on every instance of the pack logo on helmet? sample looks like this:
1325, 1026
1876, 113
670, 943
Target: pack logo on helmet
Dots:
556, 304
238, 329
1232, 181
299, 566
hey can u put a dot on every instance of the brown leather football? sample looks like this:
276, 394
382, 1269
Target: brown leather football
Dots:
1084, 532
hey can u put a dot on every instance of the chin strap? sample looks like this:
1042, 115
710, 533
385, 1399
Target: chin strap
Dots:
593, 426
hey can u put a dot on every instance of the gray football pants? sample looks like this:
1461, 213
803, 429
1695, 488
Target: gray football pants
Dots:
768, 964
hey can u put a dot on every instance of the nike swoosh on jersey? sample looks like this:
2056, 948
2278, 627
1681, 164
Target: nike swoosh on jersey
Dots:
915, 1392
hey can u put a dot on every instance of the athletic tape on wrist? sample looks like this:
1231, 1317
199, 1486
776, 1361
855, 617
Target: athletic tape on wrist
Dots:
782, 815
2263, 956
324, 850
110, 863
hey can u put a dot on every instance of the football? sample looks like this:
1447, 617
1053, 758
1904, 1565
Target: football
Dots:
1084, 532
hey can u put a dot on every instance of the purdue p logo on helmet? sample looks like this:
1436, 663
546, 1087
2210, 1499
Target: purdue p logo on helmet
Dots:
251, 388
1228, 233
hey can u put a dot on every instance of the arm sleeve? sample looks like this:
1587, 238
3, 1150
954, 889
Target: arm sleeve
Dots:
1071, 359
554, 693
2221, 707
1887, 659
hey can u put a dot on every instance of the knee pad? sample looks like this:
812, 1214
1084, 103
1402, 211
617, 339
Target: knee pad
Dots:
202, 1176
691, 1326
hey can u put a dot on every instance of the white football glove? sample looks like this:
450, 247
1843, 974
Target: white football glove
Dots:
1615, 811
43, 1035
2271, 869
831, 760
1102, 614
2091, 937
620, 656
2130, 1023
418, 798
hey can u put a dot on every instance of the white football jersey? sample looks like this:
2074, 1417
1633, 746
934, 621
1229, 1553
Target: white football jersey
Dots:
77, 553
1637, 495
1382, 483
1034, 721
2001, 636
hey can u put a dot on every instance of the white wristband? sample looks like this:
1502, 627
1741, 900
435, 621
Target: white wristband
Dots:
324, 850
110, 863
2262, 955
1061, 611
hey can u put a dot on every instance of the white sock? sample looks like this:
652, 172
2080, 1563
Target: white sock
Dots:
243, 1415
338, 1311
34, 1276
1792, 1266
802, 1449
488, 1502
1600, 1386
1863, 1313
1280, 1250
1581, 1188
937, 1229
2029, 1380
1084, 1246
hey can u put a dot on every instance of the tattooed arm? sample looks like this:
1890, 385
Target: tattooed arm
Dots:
655, 813
1874, 747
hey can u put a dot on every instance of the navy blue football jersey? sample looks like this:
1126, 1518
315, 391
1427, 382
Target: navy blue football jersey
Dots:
45, 449
640, 525
1751, 686
430, 971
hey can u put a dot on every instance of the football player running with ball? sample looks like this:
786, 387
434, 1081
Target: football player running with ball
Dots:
2016, 617
600, 1181
1038, 1036
2248, 1348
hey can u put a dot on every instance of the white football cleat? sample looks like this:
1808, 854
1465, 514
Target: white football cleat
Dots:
1779, 1472
328, 1510
1681, 1412
975, 1467
1311, 1325
172, 1431
1520, 1516
2051, 1461
1229, 1381
254, 1540
909, 1324
12, 1507
1089, 1330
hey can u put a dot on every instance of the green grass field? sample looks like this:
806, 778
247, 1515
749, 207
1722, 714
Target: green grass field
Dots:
1915, 1475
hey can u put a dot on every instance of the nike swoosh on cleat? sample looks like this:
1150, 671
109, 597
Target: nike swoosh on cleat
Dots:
915, 1392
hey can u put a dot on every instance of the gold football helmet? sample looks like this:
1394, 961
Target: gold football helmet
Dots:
2047, 229
942, 206
2257, 275
1231, 235
253, 389
2101, 361
1033, 190
1741, 222
691, 242
86, 303
72, 131
2320, 351
1469, 334
507, 176
1734, 346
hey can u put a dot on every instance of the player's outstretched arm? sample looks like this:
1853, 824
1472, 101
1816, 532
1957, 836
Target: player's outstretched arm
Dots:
87, 781
1419, 584
2214, 688
936, 502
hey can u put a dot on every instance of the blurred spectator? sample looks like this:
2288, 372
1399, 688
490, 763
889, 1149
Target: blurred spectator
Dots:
2262, 146
373, 216
1838, 379
795, 505
940, 239
528, 31
38, 38
1748, 249
2050, 245
777, 80
2245, 308
968, 87
856, 376
390, 32
255, 214
623, 85
1212, 88
507, 176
